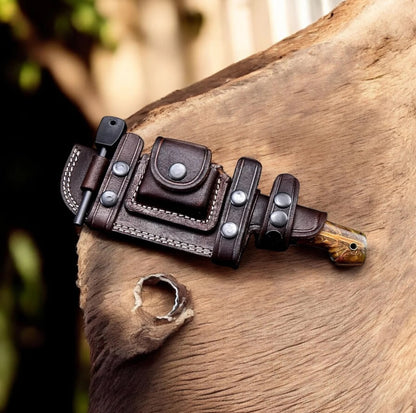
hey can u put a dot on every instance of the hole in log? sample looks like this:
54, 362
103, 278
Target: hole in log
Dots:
158, 298
162, 296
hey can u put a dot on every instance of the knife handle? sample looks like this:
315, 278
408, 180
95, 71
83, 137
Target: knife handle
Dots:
346, 247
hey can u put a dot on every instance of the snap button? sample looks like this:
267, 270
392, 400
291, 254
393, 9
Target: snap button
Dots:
238, 198
282, 200
120, 168
108, 198
177, 171
278, 219
229, 230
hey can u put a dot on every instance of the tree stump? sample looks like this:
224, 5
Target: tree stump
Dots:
335, 106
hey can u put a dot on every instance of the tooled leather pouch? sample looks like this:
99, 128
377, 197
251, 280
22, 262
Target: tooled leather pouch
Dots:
178, 183
175, 196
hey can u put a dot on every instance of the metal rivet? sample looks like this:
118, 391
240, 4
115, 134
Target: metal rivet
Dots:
282, 200
108, 198
121, 168
177, 171
238, 198
278, 219
229, 230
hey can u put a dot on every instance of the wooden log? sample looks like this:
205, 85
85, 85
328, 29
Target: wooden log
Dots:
335, 106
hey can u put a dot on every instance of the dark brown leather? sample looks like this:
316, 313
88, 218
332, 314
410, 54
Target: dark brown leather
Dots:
278, 237
203, 217
95, 172
308, 222
227, 251
193, 200
135, 216
128, 150
166, 152
73, 174
188, 212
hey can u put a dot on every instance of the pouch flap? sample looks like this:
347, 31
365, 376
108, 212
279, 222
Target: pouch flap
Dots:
179, 166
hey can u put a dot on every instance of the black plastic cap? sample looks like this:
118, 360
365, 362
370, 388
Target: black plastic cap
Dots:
109, 131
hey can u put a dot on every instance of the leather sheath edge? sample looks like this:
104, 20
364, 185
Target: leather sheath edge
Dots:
75, 169
307, 223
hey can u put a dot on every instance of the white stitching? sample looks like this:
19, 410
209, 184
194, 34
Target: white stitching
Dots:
66, 189
211, 212
66, 180
162, 240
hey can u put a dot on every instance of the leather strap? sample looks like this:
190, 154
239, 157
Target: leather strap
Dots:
104, 210
276, 231
232, 233
177, 197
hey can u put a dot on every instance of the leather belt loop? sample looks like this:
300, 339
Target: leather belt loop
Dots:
275, 232
116, 180
96, 171
233, 234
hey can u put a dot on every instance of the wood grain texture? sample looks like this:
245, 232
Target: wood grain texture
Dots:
345, 246
335, 106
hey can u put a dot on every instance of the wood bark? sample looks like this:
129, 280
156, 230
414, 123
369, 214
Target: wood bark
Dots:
335, 106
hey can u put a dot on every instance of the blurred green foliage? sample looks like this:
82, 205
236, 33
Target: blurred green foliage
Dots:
75, 23
7, 10
27, 262
38, 307
29, 76
43, 353
27, 298
8, 352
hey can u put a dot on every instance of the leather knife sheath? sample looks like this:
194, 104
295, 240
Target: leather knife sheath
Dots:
177, 197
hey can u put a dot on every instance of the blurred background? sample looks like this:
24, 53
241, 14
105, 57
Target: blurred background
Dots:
64, 65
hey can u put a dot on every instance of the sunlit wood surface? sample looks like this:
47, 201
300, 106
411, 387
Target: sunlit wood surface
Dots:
333, 105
